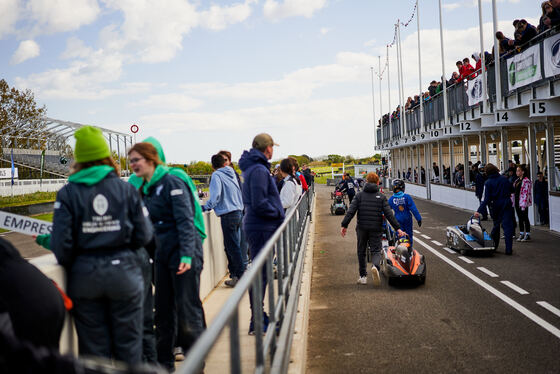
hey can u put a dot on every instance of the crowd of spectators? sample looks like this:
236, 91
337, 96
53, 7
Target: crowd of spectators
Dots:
523, 34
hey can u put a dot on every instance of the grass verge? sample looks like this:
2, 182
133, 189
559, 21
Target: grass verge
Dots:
32, 198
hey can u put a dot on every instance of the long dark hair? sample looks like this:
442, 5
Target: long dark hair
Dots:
79, 166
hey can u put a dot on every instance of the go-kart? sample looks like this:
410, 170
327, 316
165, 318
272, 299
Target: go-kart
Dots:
338, 207
402, 262
471, 237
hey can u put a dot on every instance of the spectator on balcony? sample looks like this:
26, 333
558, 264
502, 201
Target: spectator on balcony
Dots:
460, 68
455, 77
478, 60
547, 8
525, 32
468, 70
506, 45
432, 88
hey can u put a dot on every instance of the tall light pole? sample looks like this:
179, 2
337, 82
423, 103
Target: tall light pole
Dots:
399, 46
482, 57
420, 68
496, 57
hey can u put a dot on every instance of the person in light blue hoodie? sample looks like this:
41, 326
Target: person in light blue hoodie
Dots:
227, 202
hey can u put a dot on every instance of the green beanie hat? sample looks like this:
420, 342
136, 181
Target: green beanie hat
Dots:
90, 145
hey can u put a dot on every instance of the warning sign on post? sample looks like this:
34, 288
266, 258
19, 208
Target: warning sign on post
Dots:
24, 224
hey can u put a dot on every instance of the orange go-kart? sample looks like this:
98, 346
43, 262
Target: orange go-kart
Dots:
402, 262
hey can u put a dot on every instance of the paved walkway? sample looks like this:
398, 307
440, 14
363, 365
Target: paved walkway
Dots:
457, 322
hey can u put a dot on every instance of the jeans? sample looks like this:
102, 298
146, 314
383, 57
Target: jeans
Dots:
179, 313
374, 239
231, 229
108, 291
256, 241
523, 215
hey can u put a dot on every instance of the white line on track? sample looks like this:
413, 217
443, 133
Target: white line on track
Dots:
425, 236
449, 250
549, 307
517, 289
506, 299
466, 260
437, 243
416, 231
488, 272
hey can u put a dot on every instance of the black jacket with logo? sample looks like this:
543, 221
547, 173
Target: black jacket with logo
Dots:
107, 216
370, 204
171, 207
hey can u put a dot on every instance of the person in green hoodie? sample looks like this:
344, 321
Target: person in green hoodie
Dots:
98, 228
178, 256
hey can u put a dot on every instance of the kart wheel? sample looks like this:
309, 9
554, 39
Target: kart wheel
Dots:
422, 279
391, 281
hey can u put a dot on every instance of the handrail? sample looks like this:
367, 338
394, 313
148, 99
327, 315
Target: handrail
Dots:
287, 243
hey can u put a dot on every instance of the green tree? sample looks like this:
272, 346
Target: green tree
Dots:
335, 159
22, 123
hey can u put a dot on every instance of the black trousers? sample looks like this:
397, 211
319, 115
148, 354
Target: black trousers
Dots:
256, 241
148, 332
373, 238
523, 215
179, 314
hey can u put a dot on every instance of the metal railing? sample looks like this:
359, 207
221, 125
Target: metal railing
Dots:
288, 245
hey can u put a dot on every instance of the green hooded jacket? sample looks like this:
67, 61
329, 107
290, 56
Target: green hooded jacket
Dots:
180, 173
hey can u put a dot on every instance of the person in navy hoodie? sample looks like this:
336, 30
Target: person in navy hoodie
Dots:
404, 208
263, 208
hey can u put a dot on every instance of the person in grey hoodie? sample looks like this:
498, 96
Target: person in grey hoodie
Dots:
227, 202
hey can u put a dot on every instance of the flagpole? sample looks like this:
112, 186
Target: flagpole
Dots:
420, 69
380, 96
444, 77
399, 46
373, 109
402, 127
496, 57
482, 57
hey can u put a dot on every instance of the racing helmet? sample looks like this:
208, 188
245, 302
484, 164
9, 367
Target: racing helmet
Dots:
398, 184
481, 168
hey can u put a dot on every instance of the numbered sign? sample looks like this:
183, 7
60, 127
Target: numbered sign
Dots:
543, 108
505, 118
469, 126
434, 134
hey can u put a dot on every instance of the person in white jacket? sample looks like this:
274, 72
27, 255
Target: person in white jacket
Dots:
290, 188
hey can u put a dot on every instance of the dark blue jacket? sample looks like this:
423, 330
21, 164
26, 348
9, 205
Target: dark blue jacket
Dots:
263, 208
540, 191
171, 207
497, 194
348, 186
107, 216
479, 181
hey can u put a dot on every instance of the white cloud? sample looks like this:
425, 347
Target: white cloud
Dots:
174, 102
27, 49
10, 11
61, 15
276, 10
76, 48
324, 30
370, 43
451, 6
218, 18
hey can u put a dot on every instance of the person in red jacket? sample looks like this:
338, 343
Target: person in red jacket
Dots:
468, 69
476, 57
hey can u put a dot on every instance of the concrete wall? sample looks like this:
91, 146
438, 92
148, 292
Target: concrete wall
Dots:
30, 186
215, 268
416, 190
554, 208
456, 197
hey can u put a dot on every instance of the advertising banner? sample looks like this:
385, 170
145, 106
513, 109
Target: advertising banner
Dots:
552, 56
524, 68
6, 173
24, 224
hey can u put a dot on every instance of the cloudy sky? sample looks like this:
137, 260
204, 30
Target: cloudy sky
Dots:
208, 75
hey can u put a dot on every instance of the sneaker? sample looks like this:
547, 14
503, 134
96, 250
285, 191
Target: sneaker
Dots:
375, 276
362, 280
521, 238
265, 325
231, 282
179, 354
526, 238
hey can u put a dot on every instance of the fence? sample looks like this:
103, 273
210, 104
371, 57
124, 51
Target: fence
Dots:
288, 245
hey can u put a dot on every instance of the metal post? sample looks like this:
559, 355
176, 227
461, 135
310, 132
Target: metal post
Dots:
440, 161
551, 167
532, 145
451, 162
444, 77
497, 57
402, 126
505, 148
118, 152
483, 148
388, 85
400, 62
420, 69
427, 169
482, 57
235, 351
380, 96
373, 110
466, 157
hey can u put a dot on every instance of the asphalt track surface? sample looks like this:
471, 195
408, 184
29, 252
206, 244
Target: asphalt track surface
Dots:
464, 319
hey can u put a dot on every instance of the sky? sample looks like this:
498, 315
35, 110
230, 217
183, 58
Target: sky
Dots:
202, 76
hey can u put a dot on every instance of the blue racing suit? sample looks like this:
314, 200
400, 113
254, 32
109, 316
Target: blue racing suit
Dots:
404, 208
